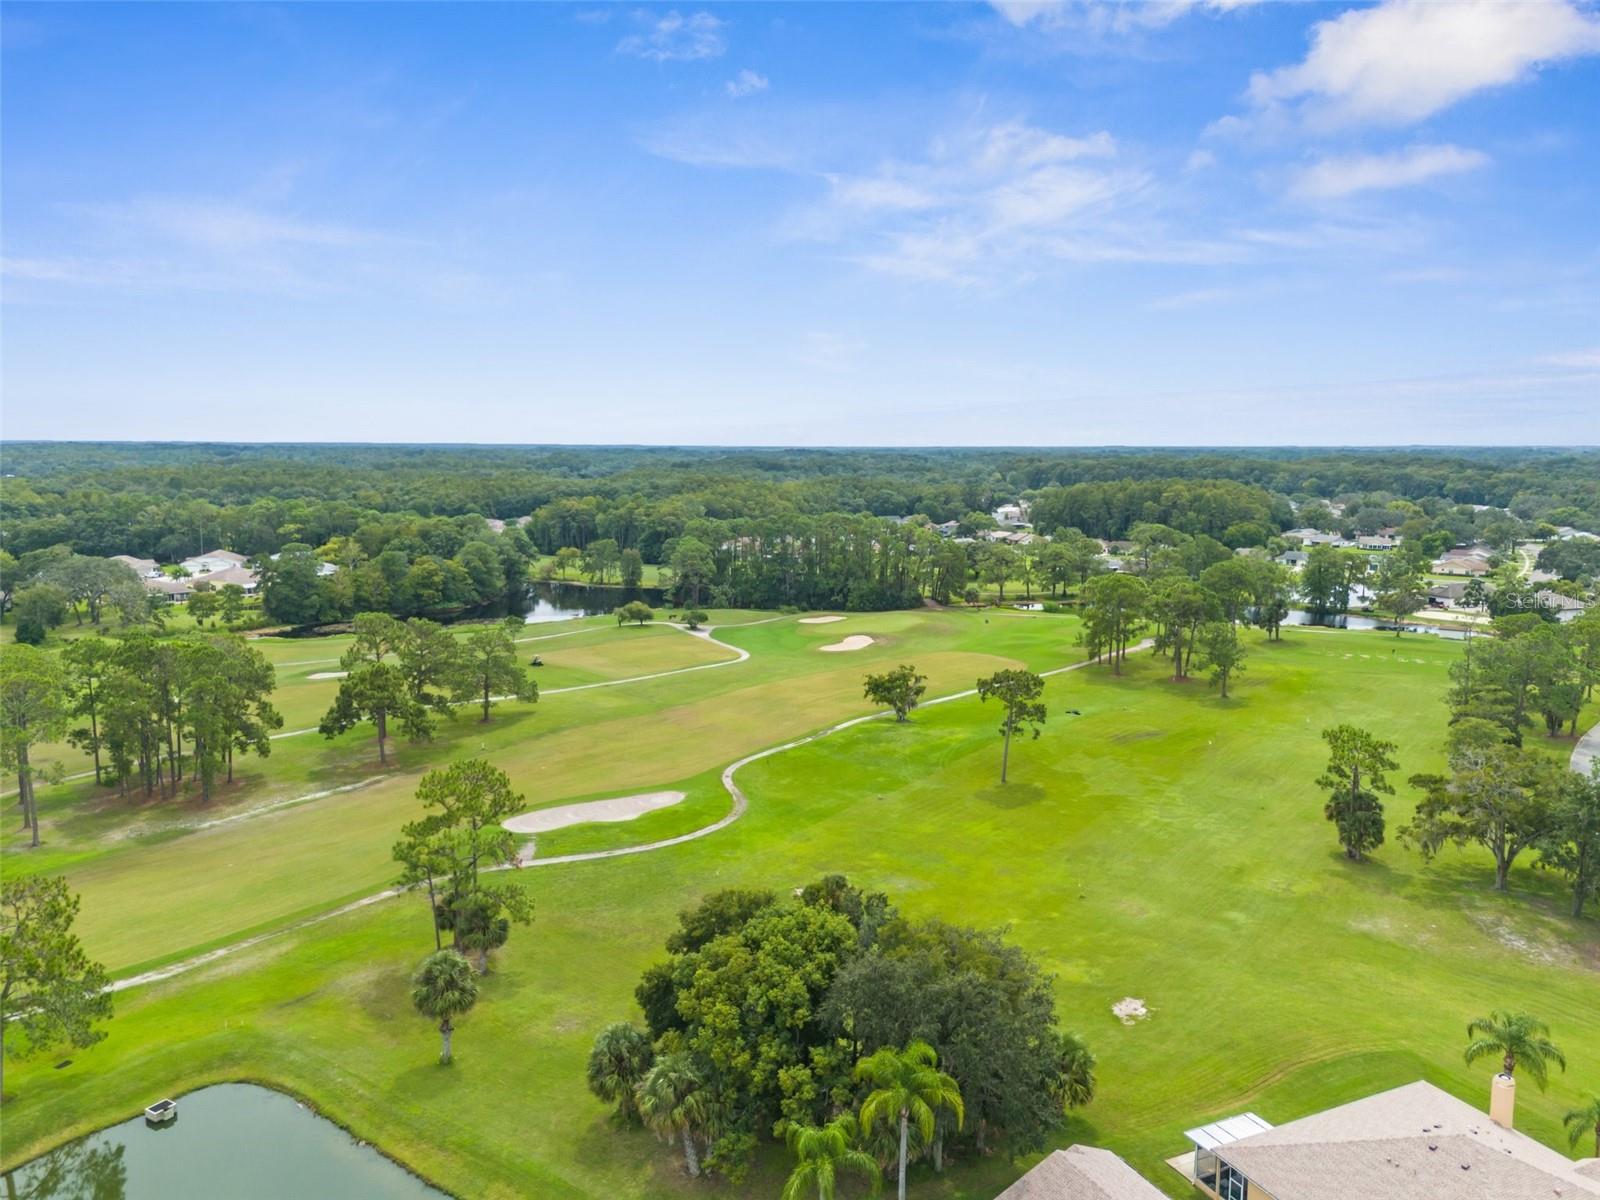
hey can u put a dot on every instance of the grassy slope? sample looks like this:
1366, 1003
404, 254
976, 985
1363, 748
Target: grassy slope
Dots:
1165, 845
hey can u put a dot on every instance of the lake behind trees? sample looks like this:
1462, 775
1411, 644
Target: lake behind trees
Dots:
234, 1139
555, 601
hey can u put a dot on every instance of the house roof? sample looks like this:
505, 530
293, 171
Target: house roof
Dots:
1081, 1173
1410, 1143
168, 586
138, 564
243, 576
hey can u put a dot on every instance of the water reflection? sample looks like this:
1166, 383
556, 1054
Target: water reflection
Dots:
564, 601
235, 1140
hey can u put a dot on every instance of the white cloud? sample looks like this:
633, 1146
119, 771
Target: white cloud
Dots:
1198, 298
1331, 178
1405, 60
1200, 160
745, 83
673, 37
1580, 359
1107, 16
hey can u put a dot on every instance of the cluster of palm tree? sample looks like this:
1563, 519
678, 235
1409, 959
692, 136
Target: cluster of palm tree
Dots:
908, 1092
668, 1095
1523, 1040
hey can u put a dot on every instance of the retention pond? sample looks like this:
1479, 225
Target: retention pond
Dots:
234, 1139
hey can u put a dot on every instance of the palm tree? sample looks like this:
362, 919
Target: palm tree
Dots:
823, 1151
672, 1099
908, 1084
1581, 1120
1076, 1077
444, 987
620, 1057
1519, 1038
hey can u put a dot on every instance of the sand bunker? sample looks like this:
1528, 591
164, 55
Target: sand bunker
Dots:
819, 620
328, 675
856, 641
622, 808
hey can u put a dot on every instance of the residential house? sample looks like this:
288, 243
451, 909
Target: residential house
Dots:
948, 528
1415, 1142
1376, 541
243, 576
1457, 563
1081, 1173
214, 560
1566, 608
175, 590
1295, 559
1011, 514
144, 568
1447, 595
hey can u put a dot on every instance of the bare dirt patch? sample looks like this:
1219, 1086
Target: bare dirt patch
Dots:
327, 675
819, 620
1130, 1010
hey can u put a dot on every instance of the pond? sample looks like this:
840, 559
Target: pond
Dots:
1299, 616
233, 1139
557, 601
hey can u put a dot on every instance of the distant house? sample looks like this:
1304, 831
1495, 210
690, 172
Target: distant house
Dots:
1011, 514
1447, 595
324, 569
1565, 607
243, 576
948, 528
495, 524
1461, 564
1376, 541
1415, 1142
145, 568
214, 560
1293, 558
1081, 1173
175, 590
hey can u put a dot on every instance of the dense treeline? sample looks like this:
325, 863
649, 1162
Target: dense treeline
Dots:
167, 502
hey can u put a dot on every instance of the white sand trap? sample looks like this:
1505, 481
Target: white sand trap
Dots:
622, 808
328, 675
819, 620
856, 641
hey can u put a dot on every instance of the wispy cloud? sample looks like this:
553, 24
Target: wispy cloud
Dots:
1108, 16
1578, 359
1335, 177
745, 83
1404, 60
673, 37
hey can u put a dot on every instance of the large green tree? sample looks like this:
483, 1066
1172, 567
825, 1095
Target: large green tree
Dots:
901, 689
51, 993
618, 1062
1357, 762
33, 711
1019, 695
1571, 844
487, 667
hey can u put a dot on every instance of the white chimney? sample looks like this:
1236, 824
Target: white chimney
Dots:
1502, 1100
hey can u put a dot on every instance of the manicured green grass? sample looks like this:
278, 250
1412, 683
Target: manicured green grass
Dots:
1165, 844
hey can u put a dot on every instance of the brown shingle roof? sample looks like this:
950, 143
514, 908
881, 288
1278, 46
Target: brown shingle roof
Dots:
1081, 1173
1410, 1143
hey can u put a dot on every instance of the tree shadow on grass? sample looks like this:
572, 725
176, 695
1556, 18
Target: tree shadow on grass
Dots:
1011, 795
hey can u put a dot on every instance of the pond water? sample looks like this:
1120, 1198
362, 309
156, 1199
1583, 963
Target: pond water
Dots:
557, 601
1299, 616
236, 1140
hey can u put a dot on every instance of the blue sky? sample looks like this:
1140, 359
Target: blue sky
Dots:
1185, 222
